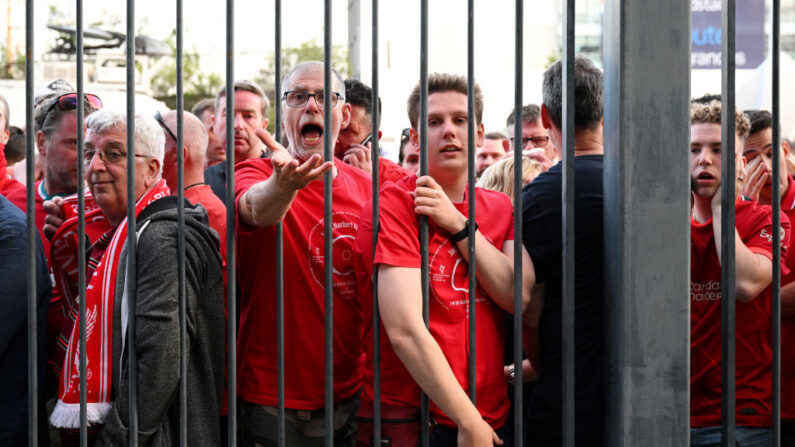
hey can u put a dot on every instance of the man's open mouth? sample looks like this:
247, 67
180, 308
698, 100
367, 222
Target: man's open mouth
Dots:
312, 134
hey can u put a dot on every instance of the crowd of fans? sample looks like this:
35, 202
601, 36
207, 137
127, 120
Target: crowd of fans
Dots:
280, 182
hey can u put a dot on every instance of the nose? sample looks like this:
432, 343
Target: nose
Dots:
705, 157
312, 105
238, 121
448, 129
95, 164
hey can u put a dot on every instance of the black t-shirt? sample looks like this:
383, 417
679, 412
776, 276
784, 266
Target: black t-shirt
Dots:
215, 176
542, 237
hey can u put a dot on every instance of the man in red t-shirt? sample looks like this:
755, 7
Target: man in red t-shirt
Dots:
55, 117
355, 139
753, 253
196, 191
436, 360
288, 189
758, 151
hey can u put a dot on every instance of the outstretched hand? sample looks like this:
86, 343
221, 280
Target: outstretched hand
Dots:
289, 172
430, 200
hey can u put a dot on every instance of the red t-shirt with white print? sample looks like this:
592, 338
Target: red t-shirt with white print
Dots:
304, 303
753, 348
398, 245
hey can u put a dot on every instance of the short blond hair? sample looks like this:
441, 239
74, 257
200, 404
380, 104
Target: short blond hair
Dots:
499, 176
710, 114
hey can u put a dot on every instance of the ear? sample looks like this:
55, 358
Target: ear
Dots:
506, 145
414, 137
4, 137
545, 120
346, 116
212, 123
265, 123
785, 147
379, 135
479, 135
41, 141
152, 168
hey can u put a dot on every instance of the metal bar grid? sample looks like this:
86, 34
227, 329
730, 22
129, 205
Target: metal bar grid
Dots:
518, 420
471, 197
33, 391
728, 304
776, 298
567, 220
81, 226
376, 155
231, 283
132, 242
425, 415
328, 155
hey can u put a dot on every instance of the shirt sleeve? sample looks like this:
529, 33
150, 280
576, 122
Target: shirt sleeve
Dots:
398, 235
248, 174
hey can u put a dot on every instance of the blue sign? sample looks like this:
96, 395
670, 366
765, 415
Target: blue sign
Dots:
706, 33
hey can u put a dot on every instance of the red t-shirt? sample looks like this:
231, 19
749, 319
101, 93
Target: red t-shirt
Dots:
788, 324
753, 350
398, 245
389, 171
304, 303
216, 210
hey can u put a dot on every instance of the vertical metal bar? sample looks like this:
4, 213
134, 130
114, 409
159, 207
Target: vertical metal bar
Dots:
183, 335
81, 226
518, 420
728, 304
425, 415
776, 298
33, 395
231, 281
471, 196
328, 155
568, 300
376, 154
277, 115
131, 227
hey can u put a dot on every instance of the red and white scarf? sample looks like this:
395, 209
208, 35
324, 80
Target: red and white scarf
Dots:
100, 294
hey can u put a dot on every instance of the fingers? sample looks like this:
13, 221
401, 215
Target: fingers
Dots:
427, 181
269, 141
496, 438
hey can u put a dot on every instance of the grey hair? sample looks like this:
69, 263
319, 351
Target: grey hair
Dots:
588, 93
316, 65
149, 138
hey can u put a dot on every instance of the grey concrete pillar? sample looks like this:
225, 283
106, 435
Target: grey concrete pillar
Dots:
647, 226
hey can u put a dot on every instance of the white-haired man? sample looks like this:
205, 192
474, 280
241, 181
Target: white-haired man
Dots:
288, 188
156, 301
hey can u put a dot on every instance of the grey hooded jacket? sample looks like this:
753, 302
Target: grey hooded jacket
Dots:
157, 329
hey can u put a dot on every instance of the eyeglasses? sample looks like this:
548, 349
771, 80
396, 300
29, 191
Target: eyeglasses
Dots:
539, 141
295, 98
69, 102
109, 156
159, 119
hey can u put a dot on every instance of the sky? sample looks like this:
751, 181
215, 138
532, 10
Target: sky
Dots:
399, 42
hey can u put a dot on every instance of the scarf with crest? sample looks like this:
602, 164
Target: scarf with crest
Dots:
100, 294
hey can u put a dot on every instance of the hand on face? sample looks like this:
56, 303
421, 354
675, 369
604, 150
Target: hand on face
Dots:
358, 156
755, 177
290, 174
430, 200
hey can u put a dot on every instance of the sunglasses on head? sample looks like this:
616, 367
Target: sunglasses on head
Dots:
69, 102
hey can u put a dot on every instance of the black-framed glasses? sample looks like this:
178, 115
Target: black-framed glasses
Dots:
159, 119
295, 98
109, 156
539, 141
68, 101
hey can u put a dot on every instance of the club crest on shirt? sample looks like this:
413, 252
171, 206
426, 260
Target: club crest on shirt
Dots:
345, 225
449, 271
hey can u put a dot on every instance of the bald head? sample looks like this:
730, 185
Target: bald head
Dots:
195, 140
